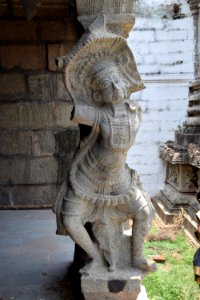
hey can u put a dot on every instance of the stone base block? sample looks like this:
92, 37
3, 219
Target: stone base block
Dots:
162, 211
119, 285
167, 210
173, 199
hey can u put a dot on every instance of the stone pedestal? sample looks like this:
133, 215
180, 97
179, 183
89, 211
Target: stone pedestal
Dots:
120, 285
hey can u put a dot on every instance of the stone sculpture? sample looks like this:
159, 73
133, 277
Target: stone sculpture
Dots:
102, 189
100, 75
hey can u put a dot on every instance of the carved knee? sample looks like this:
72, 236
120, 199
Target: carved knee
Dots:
70, 223
146, 215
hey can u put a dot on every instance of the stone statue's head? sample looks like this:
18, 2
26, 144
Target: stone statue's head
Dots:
101, 71
108, 83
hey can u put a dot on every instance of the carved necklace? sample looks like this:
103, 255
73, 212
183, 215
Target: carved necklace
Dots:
119, 135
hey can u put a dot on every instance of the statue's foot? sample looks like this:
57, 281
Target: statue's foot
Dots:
144, 264
112, 268
91, 266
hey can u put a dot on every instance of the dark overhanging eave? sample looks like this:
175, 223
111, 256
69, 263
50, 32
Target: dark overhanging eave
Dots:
31, 6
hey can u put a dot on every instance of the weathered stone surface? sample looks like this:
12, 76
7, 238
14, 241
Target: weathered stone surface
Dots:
60, 31
47, 87
38, 142
59, 89
18, 31
55, 12
30, 195
64, 164
40, 87
55, 50
184, 138
43, 142
12, 86
123, 285
35, 115
93, 8
176, 199
67, 140
15, 142
28, 171
27, 57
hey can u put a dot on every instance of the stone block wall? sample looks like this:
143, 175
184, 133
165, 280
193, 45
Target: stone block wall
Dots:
162, 42
37, 140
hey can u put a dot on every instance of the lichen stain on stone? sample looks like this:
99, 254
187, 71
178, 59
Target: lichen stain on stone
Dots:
116, 285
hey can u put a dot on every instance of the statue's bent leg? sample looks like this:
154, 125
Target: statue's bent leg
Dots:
80, 236
141, 225
142, 213
74, 212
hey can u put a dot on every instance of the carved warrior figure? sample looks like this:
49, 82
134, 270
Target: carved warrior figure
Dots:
101, 189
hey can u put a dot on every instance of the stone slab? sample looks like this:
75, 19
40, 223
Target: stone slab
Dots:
60, 31
166, 213
36, 115
28, 171
59, 89
12, 87
14, 142
40, 86
120, 285
47, 87
27, 57
28, 194
38, 142
176, 199
18, 30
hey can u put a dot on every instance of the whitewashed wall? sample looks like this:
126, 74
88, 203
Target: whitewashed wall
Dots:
163, 48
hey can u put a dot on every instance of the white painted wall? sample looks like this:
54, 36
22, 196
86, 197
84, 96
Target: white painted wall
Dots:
163, 49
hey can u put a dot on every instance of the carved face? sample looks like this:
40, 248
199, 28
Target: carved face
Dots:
110, 85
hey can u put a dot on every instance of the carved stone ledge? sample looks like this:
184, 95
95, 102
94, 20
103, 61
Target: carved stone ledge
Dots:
174, 154
118, 15
119, 25
193, 111
173, 200
94, 7
182, 177
185, 138
194, 154
181, 155
31, 7
168, 204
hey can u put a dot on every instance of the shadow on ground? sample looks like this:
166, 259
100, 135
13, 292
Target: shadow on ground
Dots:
36, 264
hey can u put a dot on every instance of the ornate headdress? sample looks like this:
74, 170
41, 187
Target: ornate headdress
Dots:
96, 47
79, 69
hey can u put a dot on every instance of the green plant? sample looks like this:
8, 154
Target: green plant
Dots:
174, 280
